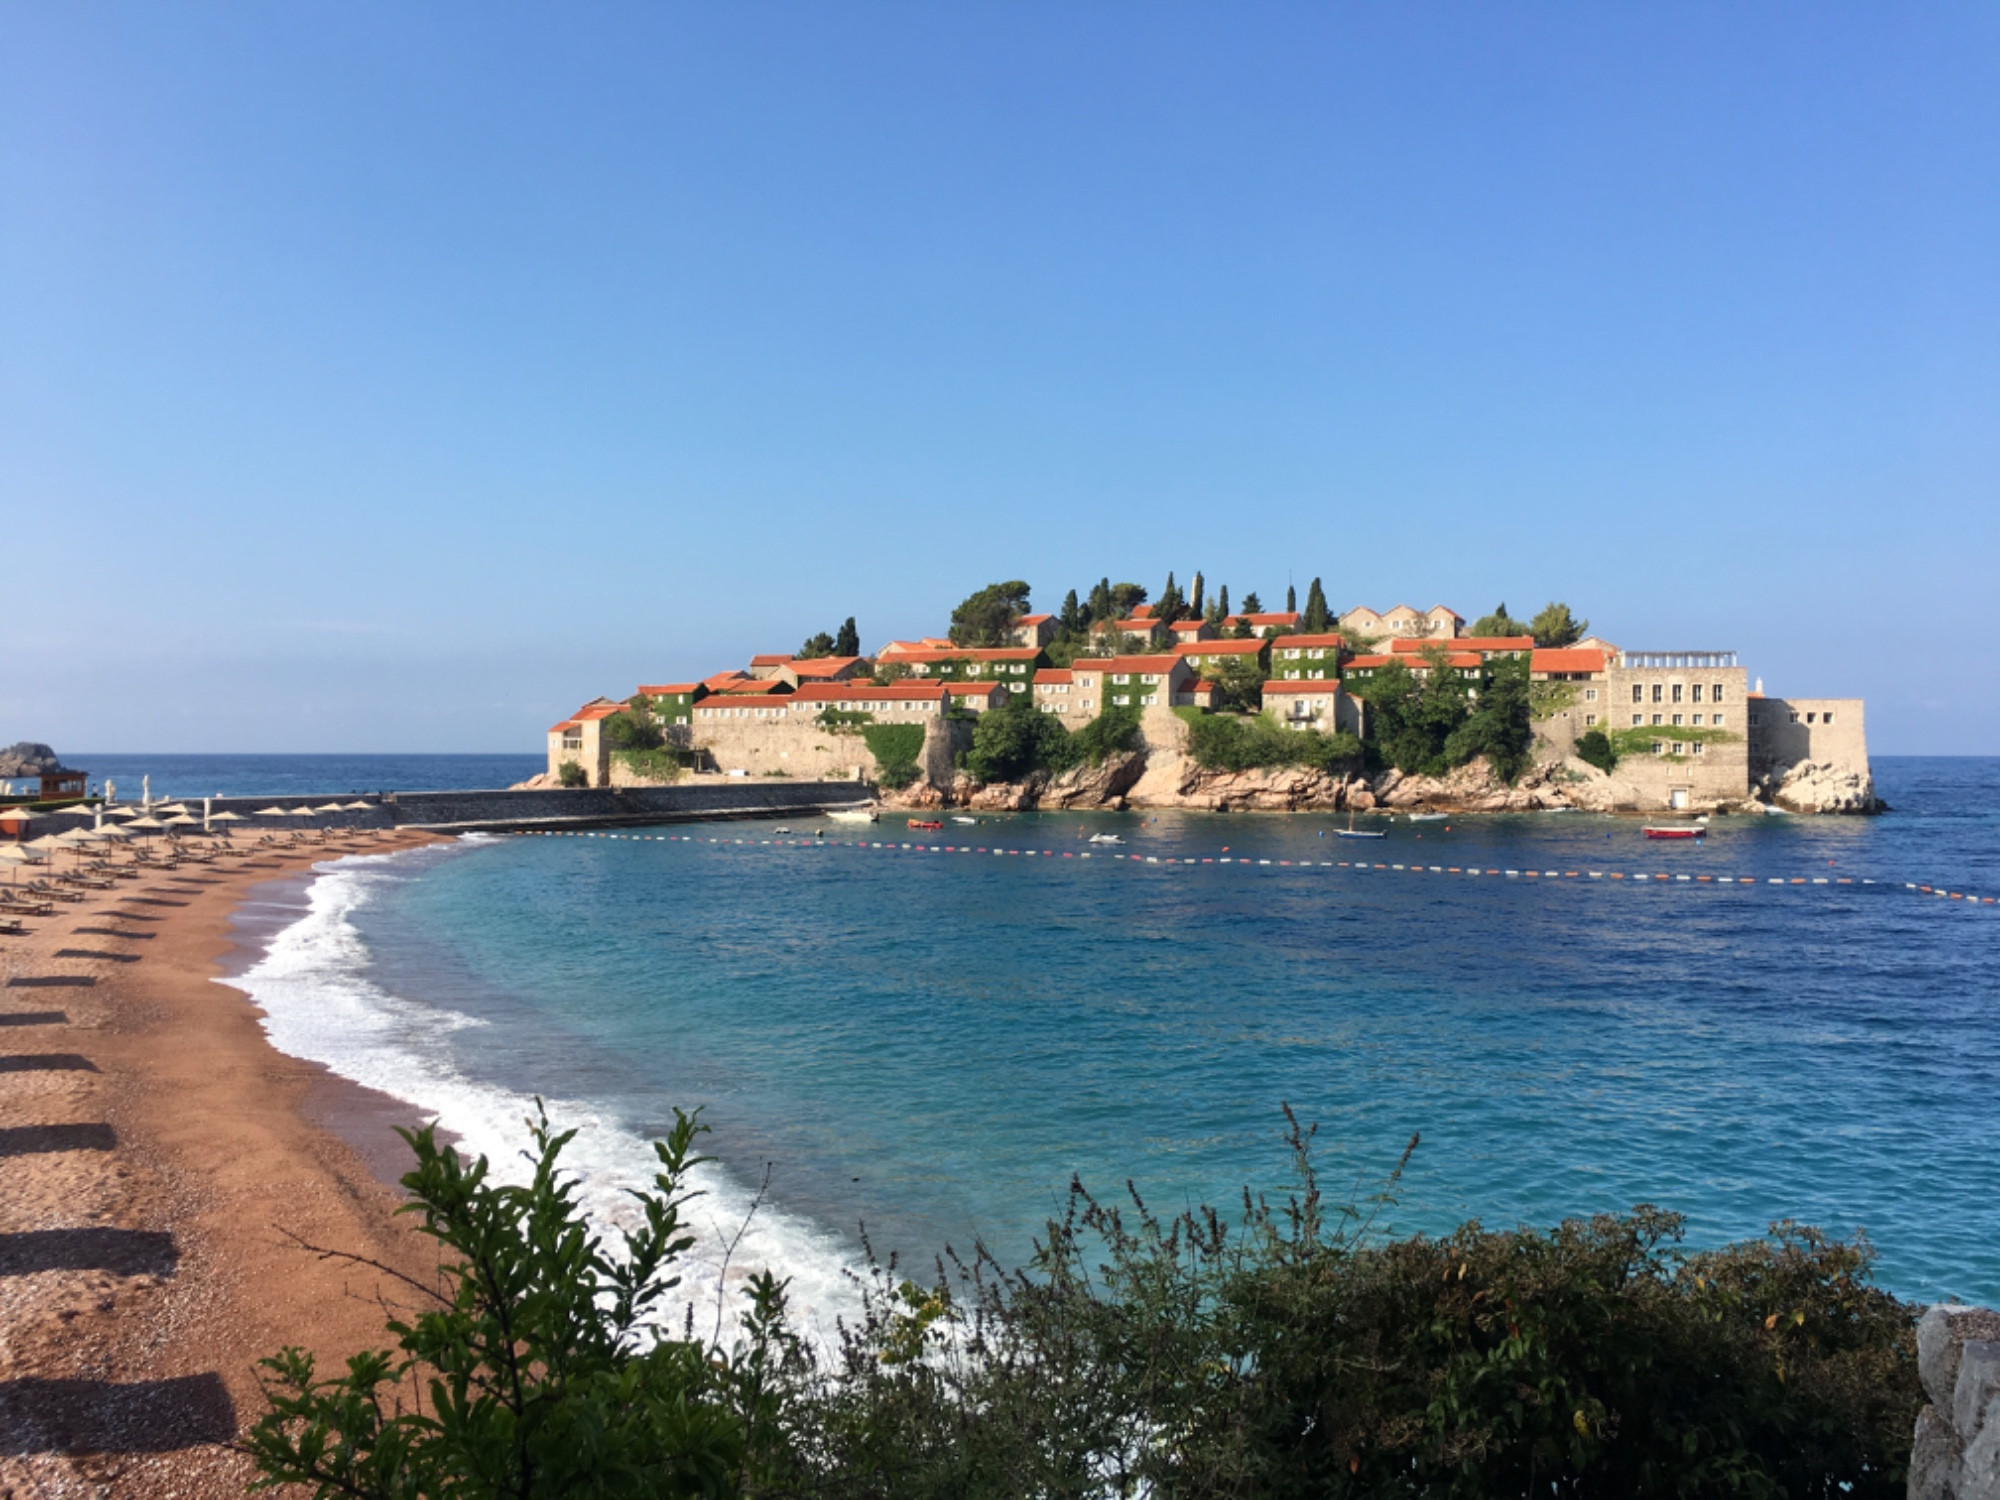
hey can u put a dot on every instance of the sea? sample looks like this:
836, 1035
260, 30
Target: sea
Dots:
907, 1040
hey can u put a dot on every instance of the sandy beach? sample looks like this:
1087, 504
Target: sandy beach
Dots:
157, 1154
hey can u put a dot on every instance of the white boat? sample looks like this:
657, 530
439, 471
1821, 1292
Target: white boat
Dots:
957, 819
855, 815
1106, 838
1428, 817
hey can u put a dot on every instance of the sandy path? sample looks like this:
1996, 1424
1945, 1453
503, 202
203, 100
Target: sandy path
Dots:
152, 1146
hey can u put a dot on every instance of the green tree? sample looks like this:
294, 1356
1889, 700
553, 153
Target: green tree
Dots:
987, 617
1498, 623
817, 646
1170, 606
634, 727
1194, 608
1317, 618
1113, 731
571, 774
1102, 605
848, 641
1072, 619
1291, 600
1252, 605
1553, 625
1126, 597
1594, 747
1239, 685
1499, 726
540, 1353
1221, 606
1016, 739
1414, 716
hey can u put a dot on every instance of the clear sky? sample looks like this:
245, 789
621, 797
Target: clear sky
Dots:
397, 377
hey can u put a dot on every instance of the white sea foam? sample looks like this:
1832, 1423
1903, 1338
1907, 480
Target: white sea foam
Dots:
320, 1003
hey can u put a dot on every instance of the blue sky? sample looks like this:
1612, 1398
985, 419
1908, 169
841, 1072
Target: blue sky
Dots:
388, 377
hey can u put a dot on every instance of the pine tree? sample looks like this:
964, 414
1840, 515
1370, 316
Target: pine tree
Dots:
1071, 620
1168, 607
1102, 606
848, 641
1317, 618
1252, 605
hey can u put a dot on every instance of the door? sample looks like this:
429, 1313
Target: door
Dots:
1678, 798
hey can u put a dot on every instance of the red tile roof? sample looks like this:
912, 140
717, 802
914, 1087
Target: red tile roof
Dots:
1484, 643
1033, 619
835, 692
1053, 674
1566, 659
710, 706
972, 653
1286, 642
771, 659
1282, 617
973, 689
1142, 611
1375, 659
1125, 663
1309, 685
667, 689
750, 685
732, 675
821, 666
1218, 648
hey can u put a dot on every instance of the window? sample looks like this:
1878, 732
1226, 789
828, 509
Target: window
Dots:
1121, 677
1697, 692
1696, 747
1795, 716
1656, 718
1716, 719
1677, 692
1827, 717
1638, 696
1150, 699
1590, 695
1317, 653
1715, 694
1658, 748
1149, 677
1637, 720
1809, 718
1697, 721
1291, 676
1122, 698
1590, 719
1677, 720
1677, 747
572, 741
1656, 692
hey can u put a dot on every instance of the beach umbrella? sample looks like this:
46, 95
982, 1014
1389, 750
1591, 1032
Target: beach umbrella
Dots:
120, 810
274, 812
359, 807
171, 807
225, 817
181, 819
145, 823
111, 833
330, 807
48, 843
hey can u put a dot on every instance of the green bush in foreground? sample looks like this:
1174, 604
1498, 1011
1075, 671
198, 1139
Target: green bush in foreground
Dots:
895, 748
1293, 1352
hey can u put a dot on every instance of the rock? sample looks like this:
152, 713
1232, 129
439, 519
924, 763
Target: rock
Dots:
1975, 1408
1934, 1458
28, 758
1942, 1333
539, 782
1824, 787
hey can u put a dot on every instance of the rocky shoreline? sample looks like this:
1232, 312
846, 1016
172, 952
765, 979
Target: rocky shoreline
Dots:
1139, 779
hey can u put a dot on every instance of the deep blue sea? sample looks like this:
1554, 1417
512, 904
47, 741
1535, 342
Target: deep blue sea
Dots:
932, 1044
303, 775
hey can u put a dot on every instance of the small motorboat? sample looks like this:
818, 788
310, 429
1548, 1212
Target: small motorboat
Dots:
1357, 833
928, 825
1106, 838
1678, 831
855, 815
957, 819
1428, 817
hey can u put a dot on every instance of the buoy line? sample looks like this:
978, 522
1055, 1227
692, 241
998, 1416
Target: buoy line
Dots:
1639, 878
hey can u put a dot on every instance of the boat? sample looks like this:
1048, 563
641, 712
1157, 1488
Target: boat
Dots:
957, 819
1428, 817
1106, 838
1351, 832
927, 824
855, 815
1677, 831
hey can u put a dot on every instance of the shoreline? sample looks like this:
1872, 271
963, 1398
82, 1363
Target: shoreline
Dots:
158, 1151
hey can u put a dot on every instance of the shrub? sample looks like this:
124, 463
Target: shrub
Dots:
634, 727
1111, 732
1017, 739
570, 774
542, 1368
1293, 1352
1593, 747
1221, 742
895, 748
657, 764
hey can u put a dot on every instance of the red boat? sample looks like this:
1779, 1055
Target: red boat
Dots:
927, 827
1682, 832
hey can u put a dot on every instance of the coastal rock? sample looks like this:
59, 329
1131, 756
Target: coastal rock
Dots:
1823, 787
28, 758
1955, 1450
541, 781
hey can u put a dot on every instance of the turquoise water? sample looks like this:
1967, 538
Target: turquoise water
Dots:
302, 775
933, 1044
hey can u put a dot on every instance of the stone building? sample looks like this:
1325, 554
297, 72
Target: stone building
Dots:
1208, 657
1309, 703
1102, 682
1436, 623
1305, 658
579, 739
1680, 722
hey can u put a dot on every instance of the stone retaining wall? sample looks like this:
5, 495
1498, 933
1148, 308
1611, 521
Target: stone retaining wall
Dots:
560, 808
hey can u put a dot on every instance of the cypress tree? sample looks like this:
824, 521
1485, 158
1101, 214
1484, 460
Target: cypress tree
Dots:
1194, 594
1291, 600
848, 641
1222, 604
1317, 618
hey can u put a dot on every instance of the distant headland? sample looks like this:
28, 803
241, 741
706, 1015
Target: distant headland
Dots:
1124, 700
